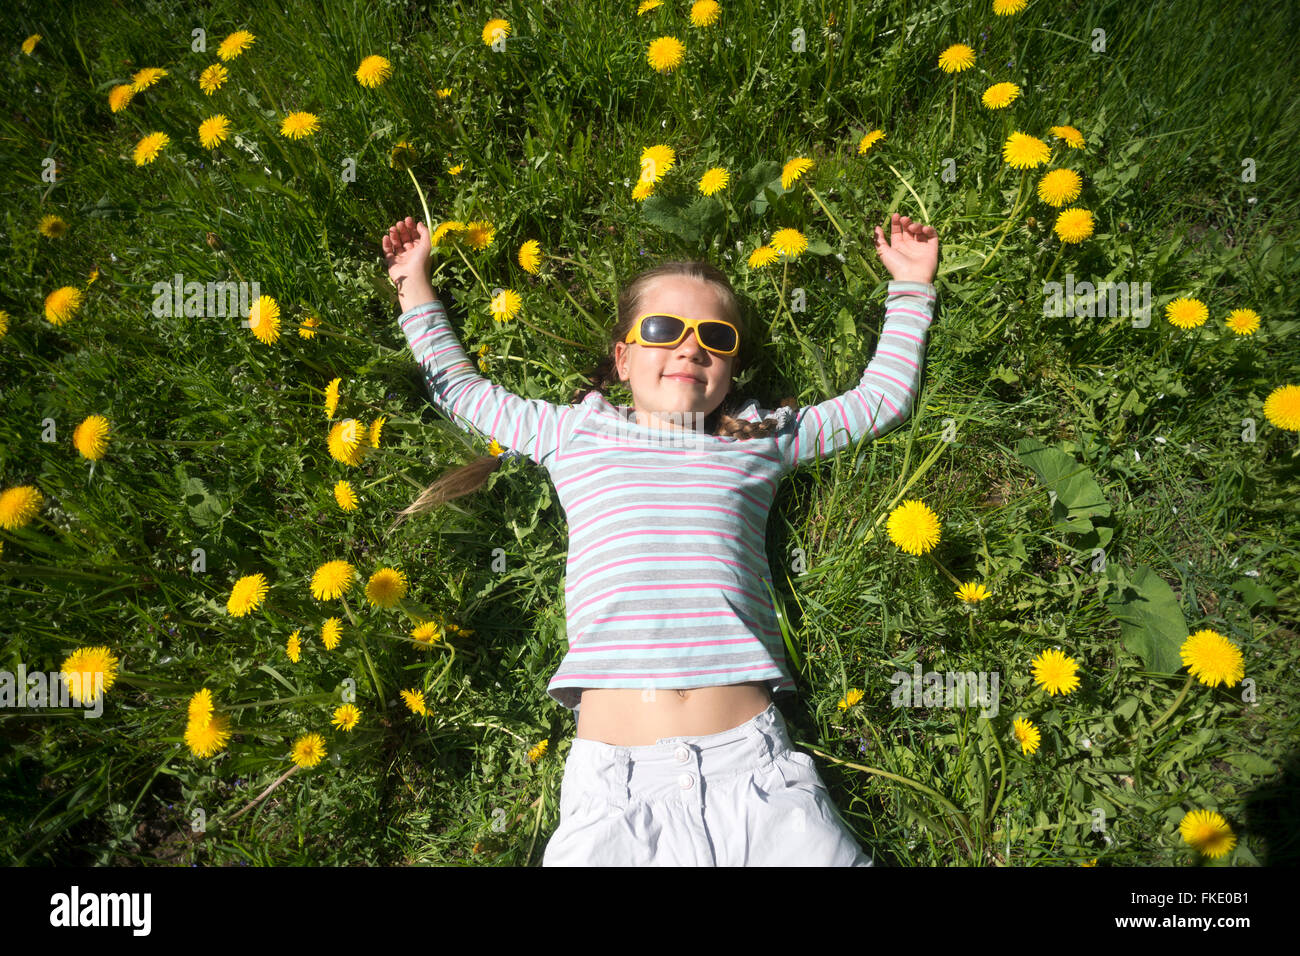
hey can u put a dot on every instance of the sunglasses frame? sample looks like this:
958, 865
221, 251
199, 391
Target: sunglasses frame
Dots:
688, 325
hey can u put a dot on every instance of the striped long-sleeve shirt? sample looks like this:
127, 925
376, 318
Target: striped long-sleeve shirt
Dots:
667, 583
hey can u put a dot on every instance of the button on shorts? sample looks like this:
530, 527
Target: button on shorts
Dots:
742, 797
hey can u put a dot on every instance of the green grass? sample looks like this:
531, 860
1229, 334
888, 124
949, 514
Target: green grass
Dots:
219, 440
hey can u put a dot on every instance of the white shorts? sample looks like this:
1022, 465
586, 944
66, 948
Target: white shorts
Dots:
741, 797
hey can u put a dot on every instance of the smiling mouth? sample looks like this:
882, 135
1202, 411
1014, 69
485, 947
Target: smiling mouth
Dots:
684, 378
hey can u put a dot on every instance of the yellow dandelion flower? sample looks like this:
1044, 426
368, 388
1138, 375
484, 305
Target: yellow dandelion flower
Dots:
214, 130
62, 304
479, 234
714, 180
308, 750
376, 427
30, 43
530, 256
642, 189
143, 79
956, 58
788, 242
264, 320
209, 738
294, 647
869, 140
1055, 673
119, 96
414, 700
1059, 187
763, 256
213, 78
332, 396
495, 30
373, 71
1186, 313
345, 496
1025, 152
1005, 8
91, 437
305, 330
537, 753
444, 92
87, 671
402, 155
1213, 659
1072, 137
300, 124
648, 5
331, 632
705, 13
200, 708
656, 161
427, 633
1282, 407
505, 305
849, 699
235, 44
972, 592
1027, 735
18, 506
1000, 95
90, 280
346, 442
146, 151
52, 227
332, 579
1074, 225
247, 594
1243, 321
386, 587
4, 323
456, 170
913, 527
792, 170
665, 54
346, 716
1208, 833
443, 229
494, 449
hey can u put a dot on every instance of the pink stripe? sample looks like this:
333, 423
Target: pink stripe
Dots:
602, 491
906, 335
572, 586
895, 355
642, 588
889, 378
920, 315
605, 515
672, 534
666, 674
726, 469
597, 648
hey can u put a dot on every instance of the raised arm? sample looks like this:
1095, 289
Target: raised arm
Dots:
884, 397
531, 427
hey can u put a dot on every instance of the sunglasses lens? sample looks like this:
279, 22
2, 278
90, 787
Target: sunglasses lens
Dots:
715, 335
661, 328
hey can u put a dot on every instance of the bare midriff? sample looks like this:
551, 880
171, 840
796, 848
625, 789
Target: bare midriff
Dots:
632, 717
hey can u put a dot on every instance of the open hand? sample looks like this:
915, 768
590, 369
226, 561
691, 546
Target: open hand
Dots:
406, 248
913, 253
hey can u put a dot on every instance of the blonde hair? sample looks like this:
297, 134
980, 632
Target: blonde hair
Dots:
468, 478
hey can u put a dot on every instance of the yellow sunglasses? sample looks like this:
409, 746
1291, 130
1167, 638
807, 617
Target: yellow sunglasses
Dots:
662, 330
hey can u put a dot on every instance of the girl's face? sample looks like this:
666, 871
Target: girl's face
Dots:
685, 378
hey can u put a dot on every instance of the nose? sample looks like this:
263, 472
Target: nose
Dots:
691, 345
